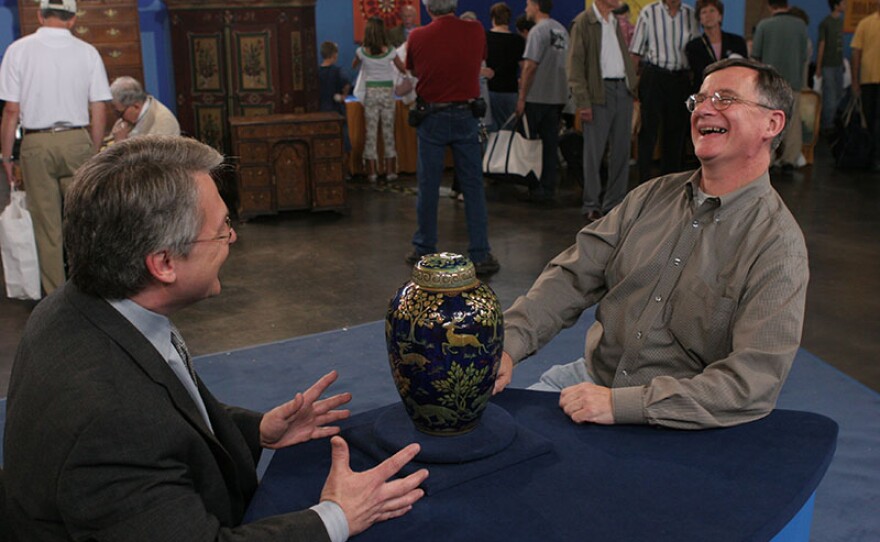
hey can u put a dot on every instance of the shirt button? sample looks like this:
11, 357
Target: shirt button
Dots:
695, 223
717, 219
676, 261
658, 299
625, 373
638, 334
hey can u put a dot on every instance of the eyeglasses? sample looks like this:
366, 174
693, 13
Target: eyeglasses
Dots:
227, 237
719, 102
119, 113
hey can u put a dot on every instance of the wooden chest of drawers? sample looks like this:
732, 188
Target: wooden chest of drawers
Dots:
112, 26
288, 161
241, 58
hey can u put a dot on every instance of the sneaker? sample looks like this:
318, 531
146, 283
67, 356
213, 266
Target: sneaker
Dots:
391, 177
454, 194
488, 266
372, 178
460, 197
413, 258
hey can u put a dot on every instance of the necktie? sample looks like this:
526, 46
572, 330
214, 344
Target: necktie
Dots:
180, 346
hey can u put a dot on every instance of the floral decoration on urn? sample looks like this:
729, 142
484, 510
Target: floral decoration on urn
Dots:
445, 334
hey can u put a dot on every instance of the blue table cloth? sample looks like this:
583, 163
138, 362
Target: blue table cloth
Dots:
607, 483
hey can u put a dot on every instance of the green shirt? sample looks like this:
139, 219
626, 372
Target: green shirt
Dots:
700, 309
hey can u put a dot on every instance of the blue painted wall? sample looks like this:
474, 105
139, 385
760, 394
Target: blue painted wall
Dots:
334, 22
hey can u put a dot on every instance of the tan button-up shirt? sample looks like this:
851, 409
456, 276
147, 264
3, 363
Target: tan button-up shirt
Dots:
700, 310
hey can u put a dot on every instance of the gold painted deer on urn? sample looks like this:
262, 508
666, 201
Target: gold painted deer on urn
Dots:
445, 332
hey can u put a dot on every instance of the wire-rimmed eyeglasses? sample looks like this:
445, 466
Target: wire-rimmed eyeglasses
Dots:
227, 237
121, 113
719, 102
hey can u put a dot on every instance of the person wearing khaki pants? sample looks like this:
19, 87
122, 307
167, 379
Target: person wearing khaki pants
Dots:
48, 162
54, 86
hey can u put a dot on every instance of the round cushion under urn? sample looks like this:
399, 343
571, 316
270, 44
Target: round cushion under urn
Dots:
445, 334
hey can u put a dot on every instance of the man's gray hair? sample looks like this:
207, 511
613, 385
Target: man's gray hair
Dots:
127, 91
773, 89
131, 200
440, 7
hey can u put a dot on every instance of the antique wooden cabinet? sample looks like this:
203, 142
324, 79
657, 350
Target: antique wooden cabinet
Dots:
241, 58
288, 161
112, 26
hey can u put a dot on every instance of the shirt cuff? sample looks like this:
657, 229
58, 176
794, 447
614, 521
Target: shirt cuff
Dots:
626, 404
515, 346
334, 520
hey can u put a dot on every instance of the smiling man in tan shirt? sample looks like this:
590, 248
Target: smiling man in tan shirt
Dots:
699, 279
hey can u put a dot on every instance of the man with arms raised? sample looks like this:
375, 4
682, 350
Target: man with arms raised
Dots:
699, 279
110, 434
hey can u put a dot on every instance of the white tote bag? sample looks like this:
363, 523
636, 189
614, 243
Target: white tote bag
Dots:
512, 156
19, 250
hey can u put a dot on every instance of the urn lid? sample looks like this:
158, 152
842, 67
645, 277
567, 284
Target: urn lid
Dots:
444, 271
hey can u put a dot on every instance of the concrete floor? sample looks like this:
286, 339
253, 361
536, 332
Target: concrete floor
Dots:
299, 273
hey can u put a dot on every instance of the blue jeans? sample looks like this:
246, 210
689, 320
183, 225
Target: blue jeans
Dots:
559, 377
456, 128
832, 93
503, 104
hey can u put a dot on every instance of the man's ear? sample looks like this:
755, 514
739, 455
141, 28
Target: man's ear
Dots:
776, 124
161, 267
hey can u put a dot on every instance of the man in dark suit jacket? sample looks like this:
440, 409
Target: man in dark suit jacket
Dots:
110, 435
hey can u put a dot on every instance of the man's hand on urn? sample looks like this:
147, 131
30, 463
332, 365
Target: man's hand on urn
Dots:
587, 403
505, 373
367, 497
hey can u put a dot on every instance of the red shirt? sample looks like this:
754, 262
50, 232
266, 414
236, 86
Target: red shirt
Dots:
446, 56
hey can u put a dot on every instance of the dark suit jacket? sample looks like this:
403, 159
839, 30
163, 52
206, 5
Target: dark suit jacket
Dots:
700, 53
104, 443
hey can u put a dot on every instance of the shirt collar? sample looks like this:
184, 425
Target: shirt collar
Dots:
610, 20
147, 103
51, 31
737, 199
155, 327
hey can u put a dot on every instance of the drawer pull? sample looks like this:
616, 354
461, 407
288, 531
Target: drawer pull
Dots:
113, 32
114, 54
82, 30
110, 13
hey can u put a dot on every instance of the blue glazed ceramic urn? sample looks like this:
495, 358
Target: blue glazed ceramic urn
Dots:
445, 333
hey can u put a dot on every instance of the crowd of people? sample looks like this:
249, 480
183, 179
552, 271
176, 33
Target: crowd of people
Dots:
699, 278
603, 71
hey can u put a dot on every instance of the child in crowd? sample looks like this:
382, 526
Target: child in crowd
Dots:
379, 60
334, 86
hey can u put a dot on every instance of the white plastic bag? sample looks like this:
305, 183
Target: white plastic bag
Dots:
21, 268
360, 87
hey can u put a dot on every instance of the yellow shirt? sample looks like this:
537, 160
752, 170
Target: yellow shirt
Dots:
867, 39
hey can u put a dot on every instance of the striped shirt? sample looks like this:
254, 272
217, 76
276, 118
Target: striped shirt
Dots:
660, 38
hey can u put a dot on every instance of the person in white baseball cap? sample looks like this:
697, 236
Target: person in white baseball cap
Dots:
55, 86
68, 6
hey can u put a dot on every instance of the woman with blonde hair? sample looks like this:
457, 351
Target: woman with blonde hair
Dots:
379, 60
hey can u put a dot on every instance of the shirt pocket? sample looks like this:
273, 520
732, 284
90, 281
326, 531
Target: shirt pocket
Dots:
700, 320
